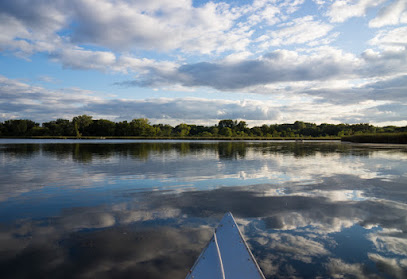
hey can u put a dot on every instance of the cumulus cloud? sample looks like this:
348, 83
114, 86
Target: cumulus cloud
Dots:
392, 266
279, 66
85, 59
296, 166
188, 109
300, 31
138, 251
276, 66
237, 72
237, 47
393, 242
27, 31
393, 14
159, 24
122, 25
341, 11
340, 269
20, 100
378, 92
44, 17
296, 247
393, 39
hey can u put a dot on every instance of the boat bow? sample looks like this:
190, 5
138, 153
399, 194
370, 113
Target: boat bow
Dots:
226, 256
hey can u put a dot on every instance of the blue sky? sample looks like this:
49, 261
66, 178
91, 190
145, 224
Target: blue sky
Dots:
262, 61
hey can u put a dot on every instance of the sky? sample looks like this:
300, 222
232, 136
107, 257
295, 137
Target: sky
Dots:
197, 62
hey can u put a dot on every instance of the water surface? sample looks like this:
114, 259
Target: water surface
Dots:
146, 209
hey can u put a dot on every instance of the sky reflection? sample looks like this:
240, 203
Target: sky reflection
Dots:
145, 210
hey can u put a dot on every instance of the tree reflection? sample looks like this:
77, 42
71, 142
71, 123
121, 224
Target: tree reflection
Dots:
84, 152
20, 150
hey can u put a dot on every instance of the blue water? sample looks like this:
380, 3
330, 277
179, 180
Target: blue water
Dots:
146, 209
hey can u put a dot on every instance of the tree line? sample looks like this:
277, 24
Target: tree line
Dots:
85, 126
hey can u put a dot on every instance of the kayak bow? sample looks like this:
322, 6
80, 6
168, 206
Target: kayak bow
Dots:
226, 256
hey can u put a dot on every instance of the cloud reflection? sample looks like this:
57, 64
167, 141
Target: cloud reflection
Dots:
112, 229
30, 167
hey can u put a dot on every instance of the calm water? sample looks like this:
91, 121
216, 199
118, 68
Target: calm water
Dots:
133, 209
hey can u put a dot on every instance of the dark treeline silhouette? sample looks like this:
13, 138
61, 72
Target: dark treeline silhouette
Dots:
85, 126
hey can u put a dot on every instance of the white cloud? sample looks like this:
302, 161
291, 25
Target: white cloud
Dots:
122, 25
186, 109
389, 242
42, 19
342, 10
277, 66
85, 59
340, 269
47, 79
157, 25
119, 25
107, 61
110, 36
392, 266
20, 100
292, 5
296, 247
393, 39
317, 100
320, 2
391, 14
300, 31
27, 31
270, 12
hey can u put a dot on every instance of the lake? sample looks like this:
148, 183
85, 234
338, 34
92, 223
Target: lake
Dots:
146, 209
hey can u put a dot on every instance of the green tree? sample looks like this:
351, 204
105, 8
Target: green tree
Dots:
256, 131
164, 130
151, 131
206, 134
139, 126
275, 134
81, 122
19, 127
241, 126
197, 130
102, 127
122, 129
16, 127
60, 127
226, 131
299, 125
265, 129
39, 131
182, 129
214, 131
227, 123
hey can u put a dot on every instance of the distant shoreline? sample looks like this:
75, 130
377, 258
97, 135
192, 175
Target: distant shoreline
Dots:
173, 138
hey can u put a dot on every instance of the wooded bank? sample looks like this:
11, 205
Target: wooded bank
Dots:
84, 126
